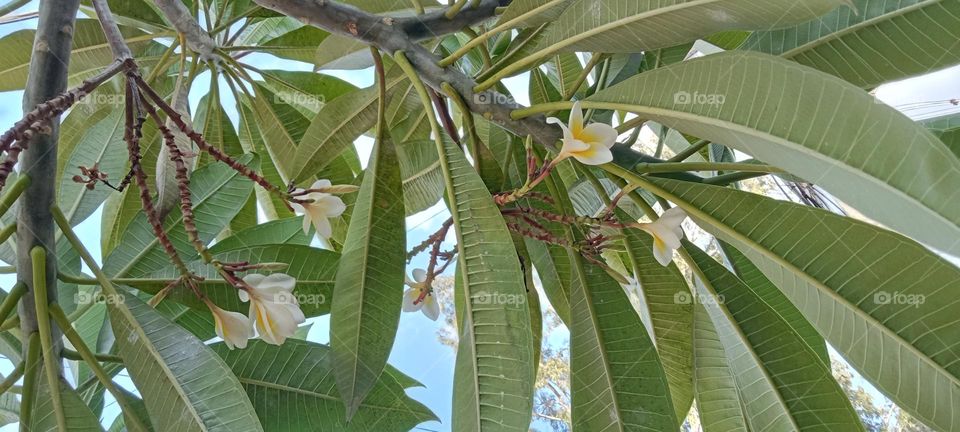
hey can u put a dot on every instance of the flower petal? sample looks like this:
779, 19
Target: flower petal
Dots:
599, 133
566, 131
573, 145
662, 253
409, 297
576, 119
665, 240
332, 206
264, 322
254, 279
597, 154
431, 308
324, 229
306, 224
281, 281
321, 184
298, 208
419, 275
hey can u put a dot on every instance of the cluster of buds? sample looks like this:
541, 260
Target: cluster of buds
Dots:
89, 177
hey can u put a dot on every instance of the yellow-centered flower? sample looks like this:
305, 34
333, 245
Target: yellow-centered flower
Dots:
321, 207
234, 328
666, 233
591, 144
273, 307
429, 306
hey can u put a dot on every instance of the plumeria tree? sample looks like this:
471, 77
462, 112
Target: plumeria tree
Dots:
227, 226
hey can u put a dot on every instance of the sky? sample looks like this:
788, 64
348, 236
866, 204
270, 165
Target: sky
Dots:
417, 351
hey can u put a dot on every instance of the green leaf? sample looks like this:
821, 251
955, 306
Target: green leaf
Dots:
422, 176
304, 398
307, 91
947, 128
139, 416
281, 127
629, 26
880, 41
185, 386
336, 126
541, 89
253, 141
278, 232
9, 409
750, 275
494, 372
617, 380
531, 13
670, 320
823, 130
100, 143
895, 295
217, 129
718, 397
216, 189
79, 417
369, 288
89, 56
788, 385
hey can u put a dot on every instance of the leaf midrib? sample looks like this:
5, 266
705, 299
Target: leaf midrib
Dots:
855, 28
581, 273
276, 386
694, 211
557, 46
736, 127
744, 340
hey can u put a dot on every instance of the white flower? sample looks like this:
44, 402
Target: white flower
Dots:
232, 327
429, 306
273, 307
666, 233
590, 145
322, 207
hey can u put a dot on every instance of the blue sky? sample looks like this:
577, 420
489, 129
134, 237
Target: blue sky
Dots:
416, 351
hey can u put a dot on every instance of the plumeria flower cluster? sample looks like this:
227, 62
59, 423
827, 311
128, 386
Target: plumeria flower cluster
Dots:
590, 145
274, 311
419, 296
319, 204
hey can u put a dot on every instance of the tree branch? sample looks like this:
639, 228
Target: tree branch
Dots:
181, 19
392, 35
46, 79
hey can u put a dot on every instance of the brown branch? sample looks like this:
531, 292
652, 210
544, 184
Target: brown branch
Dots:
391, 35
112, 32
182, 20
37, 118
132, 135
